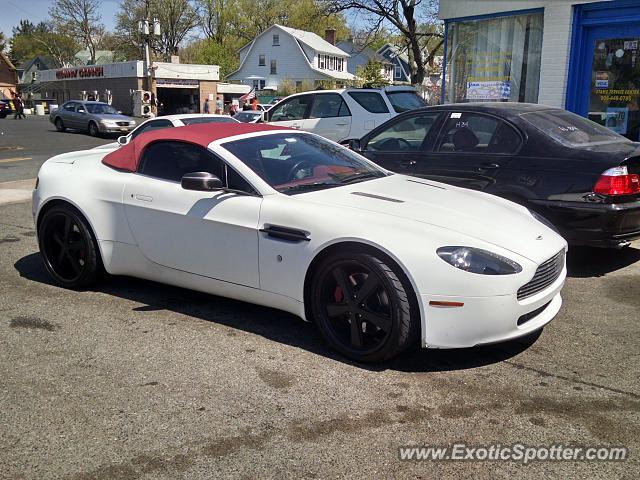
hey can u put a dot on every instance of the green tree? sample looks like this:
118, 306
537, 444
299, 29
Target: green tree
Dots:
30, 40
371, 74
208, 51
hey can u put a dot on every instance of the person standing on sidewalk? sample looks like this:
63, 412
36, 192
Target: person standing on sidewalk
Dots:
19, 107
206, 106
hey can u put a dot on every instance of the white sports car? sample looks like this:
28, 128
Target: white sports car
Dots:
168, 121
293, 221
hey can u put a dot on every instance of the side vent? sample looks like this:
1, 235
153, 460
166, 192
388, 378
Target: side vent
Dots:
288, 234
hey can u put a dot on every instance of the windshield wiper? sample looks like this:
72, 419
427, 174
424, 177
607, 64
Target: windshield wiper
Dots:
309, 186
360, 176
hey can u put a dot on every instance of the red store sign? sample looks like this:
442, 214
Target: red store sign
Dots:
82, 72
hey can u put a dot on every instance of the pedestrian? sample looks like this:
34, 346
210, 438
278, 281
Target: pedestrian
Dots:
19, 107
254, 103
218, 105
206, 106
246, 105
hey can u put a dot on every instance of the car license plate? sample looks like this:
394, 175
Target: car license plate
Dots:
124, 129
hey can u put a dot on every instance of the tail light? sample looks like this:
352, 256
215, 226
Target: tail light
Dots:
617, 181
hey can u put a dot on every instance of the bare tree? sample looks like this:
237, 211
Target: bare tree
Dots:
80, 19
215, 17
177, 18
414, 20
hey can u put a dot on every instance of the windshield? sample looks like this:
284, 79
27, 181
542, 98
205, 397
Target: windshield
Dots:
404, 101
294, 162
572, 130
101, 108
246, 116
196, 120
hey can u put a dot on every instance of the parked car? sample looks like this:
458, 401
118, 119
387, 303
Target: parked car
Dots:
293, 221
341, 115
169, 121
248, 116
92, 117
6, 108
580, 176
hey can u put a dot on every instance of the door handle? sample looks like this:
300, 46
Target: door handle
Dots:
342, 124
487, 166
296, 126
407, 163
143, 198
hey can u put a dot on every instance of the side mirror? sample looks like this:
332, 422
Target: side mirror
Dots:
123, 140
263, 117
354, 145
201, 181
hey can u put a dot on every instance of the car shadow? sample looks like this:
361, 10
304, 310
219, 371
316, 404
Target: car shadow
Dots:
586, 262
276, 325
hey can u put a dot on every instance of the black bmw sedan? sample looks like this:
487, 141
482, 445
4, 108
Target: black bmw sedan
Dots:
579, 175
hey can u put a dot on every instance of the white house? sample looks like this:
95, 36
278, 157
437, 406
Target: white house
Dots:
281, 53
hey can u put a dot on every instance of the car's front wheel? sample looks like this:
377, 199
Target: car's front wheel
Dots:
69, 248
362, 307
93, 129
60, 125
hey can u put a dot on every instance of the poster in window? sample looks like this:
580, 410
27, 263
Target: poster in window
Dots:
617, 119
490, 90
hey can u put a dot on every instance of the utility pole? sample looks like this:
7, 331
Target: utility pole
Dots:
148, 28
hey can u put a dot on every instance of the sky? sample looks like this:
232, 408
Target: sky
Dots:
12, 11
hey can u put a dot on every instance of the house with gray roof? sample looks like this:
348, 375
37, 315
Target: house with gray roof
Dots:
281, 53
360, 55
400, 61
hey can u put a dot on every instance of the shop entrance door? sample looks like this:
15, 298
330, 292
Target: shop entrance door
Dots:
609, 91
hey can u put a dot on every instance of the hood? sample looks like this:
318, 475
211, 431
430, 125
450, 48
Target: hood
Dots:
479, 215
73, 157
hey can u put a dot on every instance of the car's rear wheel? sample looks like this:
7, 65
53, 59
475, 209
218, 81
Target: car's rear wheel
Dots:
361, 306
93, 129
60, 125
69, 248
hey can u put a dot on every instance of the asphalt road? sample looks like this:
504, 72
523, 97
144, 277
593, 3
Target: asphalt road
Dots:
138, 380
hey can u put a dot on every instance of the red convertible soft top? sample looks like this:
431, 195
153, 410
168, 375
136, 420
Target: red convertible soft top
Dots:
126, 157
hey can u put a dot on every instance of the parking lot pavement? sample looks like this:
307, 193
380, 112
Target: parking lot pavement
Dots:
26, 144
133, 379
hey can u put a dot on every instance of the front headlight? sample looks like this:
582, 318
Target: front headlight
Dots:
108, 123
476, 260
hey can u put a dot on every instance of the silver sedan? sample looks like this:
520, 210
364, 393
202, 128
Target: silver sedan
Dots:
93, 117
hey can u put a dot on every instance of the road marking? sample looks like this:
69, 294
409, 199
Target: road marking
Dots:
15, 159
16, 192
11, 147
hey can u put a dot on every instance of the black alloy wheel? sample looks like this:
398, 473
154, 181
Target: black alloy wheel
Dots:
93, 129
362, 307
60, 125
68, 248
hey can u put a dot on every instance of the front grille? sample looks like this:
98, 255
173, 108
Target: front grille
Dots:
547, 273
122, 124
